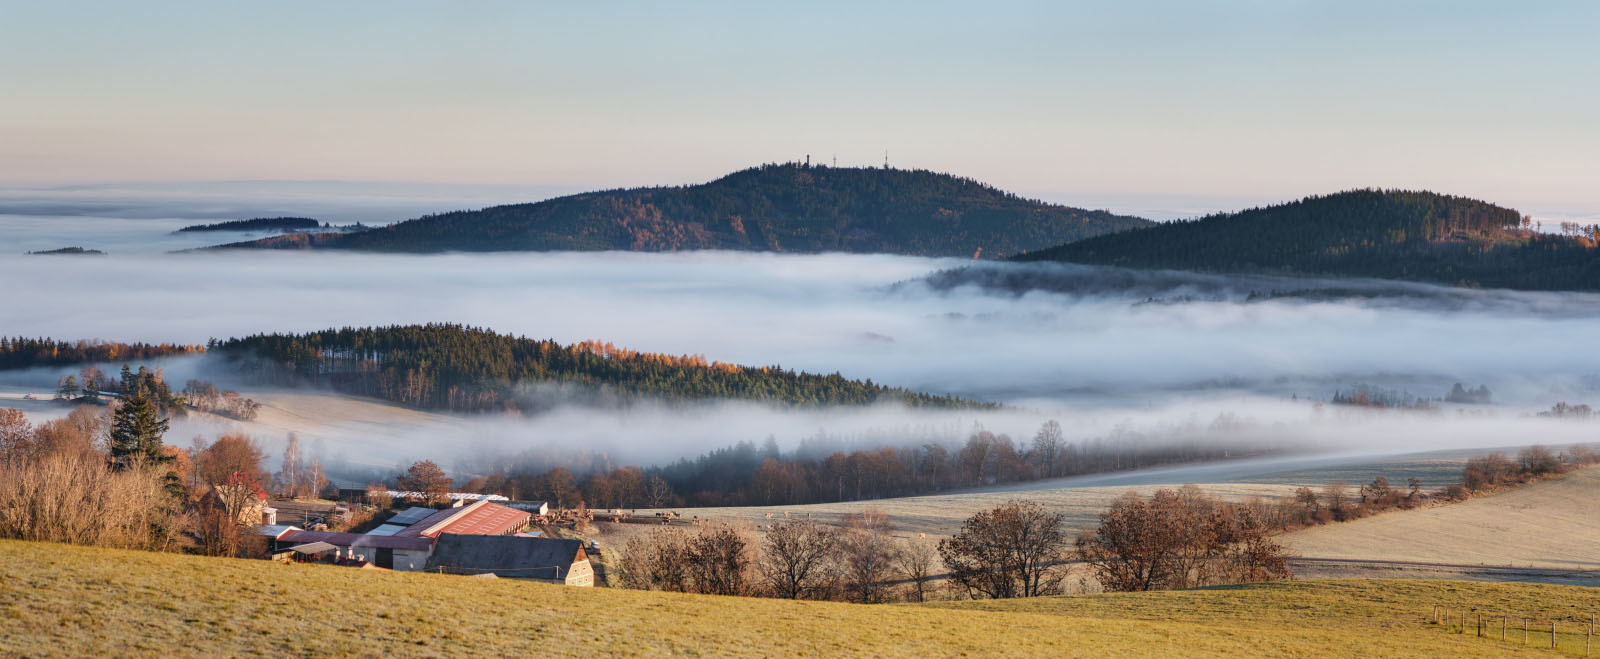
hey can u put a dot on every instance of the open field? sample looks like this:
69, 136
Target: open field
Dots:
1549, 524
1083, 498
65, 600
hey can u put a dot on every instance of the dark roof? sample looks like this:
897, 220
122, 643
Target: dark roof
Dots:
420, 527
525, 505
506, 556
410, 516
357, 540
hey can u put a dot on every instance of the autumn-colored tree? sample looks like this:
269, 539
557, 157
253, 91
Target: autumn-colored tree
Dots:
561, 488
231, 457
1180, 539
226, 512
15, 433
428, 479
62, 437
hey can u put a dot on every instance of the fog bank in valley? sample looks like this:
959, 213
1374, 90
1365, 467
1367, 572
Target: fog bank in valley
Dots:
1105, 351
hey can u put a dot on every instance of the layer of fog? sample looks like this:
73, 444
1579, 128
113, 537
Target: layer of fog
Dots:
1083, 345
842, 313
359, 440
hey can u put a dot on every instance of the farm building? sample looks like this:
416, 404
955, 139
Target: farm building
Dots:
512, 557
406, 554
540, 508
405, 541
478, 518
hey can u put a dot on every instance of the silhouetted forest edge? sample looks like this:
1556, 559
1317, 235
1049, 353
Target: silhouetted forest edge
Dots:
1386, 234
790, 207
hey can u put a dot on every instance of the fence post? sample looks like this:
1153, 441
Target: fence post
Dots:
1552, 634
1524, 631
1480, 625
1502, 629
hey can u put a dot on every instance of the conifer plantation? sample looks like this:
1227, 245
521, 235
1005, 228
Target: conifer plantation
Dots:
466, 369
1388, 234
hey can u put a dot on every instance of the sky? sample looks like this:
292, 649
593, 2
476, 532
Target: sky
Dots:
1167, 106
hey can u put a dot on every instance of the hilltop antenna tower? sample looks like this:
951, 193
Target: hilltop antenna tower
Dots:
885, 158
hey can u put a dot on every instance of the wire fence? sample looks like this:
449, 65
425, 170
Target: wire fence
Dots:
1563, 634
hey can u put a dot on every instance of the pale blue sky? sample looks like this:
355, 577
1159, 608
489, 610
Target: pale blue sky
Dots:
1251, 100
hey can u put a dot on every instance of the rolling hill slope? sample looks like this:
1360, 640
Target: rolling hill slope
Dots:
779, 208
1389, 234
1549, 524
60, 599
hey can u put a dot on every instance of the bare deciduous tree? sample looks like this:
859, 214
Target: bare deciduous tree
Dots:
1014, 550
866, 556
658, 492
797, 559
656, 561
79, 499
719, 560
1180, 539
915, 559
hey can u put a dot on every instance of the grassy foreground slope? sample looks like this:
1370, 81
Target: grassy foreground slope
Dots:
65, 600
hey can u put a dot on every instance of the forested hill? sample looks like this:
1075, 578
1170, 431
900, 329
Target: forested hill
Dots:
452, 367
779, 208
1391, 234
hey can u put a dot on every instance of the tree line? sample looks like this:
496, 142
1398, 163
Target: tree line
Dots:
90, 385
466, 369
23, 352
748, 475
1173, 539
1390, 234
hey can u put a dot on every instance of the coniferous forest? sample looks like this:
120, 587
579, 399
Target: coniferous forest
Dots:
1388, 234
791, 207
24, 352
466, 369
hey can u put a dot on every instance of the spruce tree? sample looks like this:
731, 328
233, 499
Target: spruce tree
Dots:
136, 431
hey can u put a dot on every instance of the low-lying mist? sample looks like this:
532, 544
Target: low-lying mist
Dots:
1096, 348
